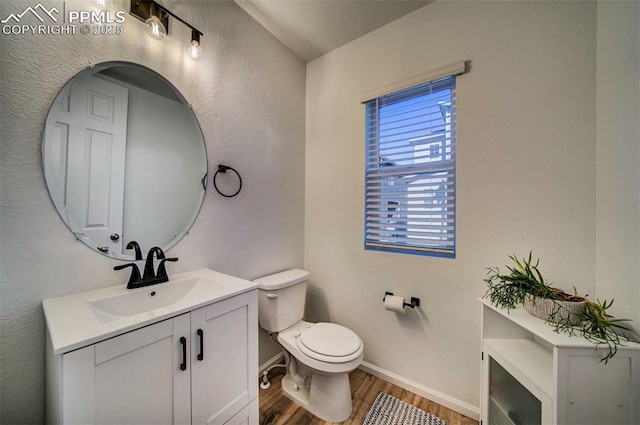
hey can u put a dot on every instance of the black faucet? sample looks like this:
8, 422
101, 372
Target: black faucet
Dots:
149, 277
149, 273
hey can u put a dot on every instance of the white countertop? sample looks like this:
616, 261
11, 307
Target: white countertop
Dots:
73, 323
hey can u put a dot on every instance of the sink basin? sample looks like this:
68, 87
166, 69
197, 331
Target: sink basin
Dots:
84, 318
144, 299
141, 300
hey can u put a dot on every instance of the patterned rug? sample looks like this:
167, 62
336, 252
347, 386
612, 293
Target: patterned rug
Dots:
388, 410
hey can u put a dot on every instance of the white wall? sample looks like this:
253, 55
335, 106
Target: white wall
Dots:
248, 94
526, 176
618, 153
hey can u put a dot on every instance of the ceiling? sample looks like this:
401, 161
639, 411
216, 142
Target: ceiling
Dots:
311, 28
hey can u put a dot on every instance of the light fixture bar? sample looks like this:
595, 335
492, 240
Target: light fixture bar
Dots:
181, 20
142, 9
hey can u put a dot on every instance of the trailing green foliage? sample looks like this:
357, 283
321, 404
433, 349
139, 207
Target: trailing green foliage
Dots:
525, 280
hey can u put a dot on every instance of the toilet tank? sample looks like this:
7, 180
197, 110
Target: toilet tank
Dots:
281, 299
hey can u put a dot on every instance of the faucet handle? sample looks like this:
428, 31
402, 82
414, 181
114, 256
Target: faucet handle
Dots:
135, 274
162, 270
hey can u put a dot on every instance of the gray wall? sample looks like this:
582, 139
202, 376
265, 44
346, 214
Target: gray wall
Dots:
248, 94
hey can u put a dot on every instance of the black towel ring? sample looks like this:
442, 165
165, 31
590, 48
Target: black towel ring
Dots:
223, 169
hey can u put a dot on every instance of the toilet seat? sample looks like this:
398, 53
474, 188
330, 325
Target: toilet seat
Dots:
329, 342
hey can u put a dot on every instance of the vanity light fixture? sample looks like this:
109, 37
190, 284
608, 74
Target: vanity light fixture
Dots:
156, 18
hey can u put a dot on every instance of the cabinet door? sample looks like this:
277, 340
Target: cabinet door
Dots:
134, 378
224, 355
580, 372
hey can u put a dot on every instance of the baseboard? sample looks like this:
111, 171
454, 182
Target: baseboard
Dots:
461, 407
278, 358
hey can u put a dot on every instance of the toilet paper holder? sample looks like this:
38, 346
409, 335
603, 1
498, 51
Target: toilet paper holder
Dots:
415, 302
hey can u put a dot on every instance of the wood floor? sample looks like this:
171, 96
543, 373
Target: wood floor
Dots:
277, 409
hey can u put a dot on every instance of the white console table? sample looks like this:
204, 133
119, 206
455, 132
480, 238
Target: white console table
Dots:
533, 375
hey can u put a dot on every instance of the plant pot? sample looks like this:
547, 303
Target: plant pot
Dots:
555, 311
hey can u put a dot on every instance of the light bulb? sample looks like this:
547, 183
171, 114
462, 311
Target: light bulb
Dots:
155, 28
194, 51
104, 4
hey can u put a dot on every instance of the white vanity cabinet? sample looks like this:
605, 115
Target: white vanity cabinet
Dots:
533, 375
199, 367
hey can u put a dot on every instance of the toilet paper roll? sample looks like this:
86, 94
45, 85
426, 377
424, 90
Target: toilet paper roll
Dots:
394, 303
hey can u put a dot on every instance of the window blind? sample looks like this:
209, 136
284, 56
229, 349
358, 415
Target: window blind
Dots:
410, 177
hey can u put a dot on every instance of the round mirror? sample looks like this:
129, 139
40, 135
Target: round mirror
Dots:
124, 159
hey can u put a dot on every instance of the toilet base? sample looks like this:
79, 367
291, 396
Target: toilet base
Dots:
328, 397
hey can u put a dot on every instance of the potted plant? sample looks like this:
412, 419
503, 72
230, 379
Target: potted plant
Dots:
571, 314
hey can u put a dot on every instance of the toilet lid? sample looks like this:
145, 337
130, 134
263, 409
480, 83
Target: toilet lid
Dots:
329, 339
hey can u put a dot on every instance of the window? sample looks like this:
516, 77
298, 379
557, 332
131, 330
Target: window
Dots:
410, 179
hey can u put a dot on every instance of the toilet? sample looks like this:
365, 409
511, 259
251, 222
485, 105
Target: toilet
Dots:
319, 356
